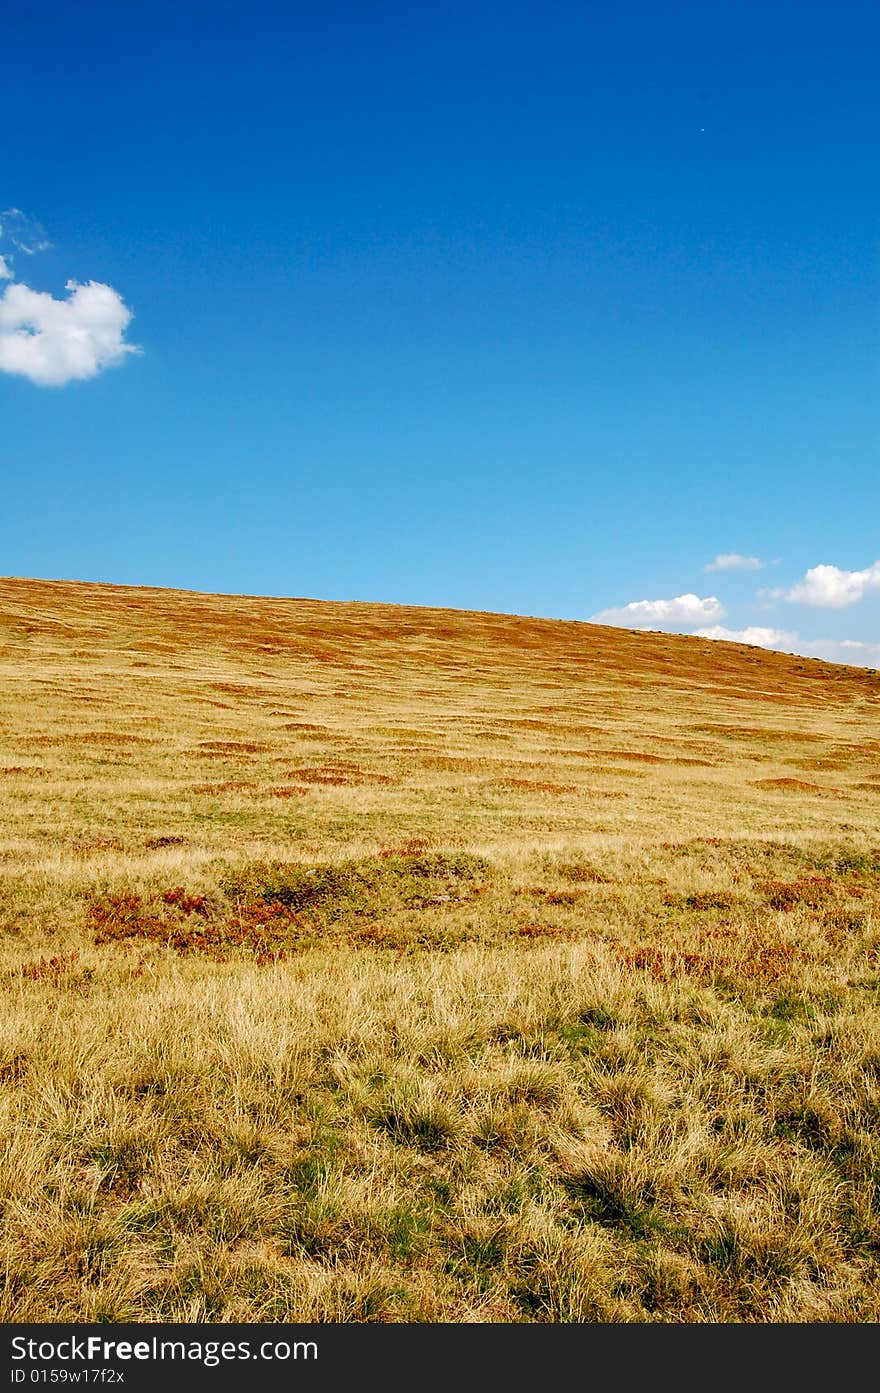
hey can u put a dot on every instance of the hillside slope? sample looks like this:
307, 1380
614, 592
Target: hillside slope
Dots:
416, 719
364, 962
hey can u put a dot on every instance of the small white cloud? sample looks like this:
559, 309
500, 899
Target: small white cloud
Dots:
648, 614
769, 594
844, 650
51, 341
829, 587
23, 232
732, 561
5, 269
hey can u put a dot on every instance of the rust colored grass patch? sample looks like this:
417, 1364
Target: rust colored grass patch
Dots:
841, 925
580, 872
639, 755
757, 732
759, 963
702, 900
230, 786
49, 969
534, 929
812, 891
86, 848
186, 903
792, 784
92, 737
233, 747
119, 916
562, 897
453, 764
413, 847
536, 786
341, 775
664, 964
190, 923
613, 771
239, 689
769, 962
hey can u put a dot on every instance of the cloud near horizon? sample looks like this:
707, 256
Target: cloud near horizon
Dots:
732, 561
688, 615
844, 650
647, 614
52, 342
754, 634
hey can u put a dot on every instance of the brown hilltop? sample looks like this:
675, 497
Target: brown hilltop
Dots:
153, 621
424, 716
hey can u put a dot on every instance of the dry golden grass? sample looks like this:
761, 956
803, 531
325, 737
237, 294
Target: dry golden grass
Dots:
367, 963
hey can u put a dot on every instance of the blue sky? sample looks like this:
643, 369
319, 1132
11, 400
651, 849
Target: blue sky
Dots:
530, 308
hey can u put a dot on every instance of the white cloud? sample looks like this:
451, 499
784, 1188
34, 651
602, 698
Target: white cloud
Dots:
698, 617
843, 650
829, 587
754, 634
5, 269
732, 561
651, 614
846, 650
770, 593
53, 341
23, 232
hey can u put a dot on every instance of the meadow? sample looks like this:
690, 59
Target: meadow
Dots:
376, 963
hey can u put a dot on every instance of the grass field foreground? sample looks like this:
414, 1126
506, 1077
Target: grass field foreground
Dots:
373, 963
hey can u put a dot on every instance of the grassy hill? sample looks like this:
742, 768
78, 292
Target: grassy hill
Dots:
366, 962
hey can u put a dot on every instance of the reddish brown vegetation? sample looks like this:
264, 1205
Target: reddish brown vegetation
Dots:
413, 847
761, 962
577, 871
453, 764
91, 737
566, 897
536, 786
49, 968
788, 783
702, 899
230, 786
233, 747
811, 890
341, 774
190, 923
186, 903
532, 929
631, 754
